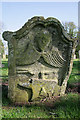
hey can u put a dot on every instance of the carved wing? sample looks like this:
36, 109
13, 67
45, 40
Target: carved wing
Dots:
54, 58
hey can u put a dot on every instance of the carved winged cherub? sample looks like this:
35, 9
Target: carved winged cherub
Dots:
38, 48
52, 56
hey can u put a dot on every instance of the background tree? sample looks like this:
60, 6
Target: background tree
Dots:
70, 28
72, 31
78, 46
3, 45
1, 48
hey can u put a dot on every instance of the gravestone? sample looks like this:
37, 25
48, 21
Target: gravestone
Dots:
40, 60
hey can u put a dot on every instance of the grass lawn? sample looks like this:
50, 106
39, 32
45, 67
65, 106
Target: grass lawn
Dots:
67, 106
4, 71
74, 79
64, 107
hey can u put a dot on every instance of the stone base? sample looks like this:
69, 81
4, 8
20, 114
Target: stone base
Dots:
23, 92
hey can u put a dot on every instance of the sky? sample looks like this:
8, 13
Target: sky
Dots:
16, 14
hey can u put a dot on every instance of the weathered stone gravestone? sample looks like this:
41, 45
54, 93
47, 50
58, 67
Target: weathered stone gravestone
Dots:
40, 59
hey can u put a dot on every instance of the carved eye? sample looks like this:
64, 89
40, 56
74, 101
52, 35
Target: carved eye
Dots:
30, 80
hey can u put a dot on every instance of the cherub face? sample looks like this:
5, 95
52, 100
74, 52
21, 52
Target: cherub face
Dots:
42, 39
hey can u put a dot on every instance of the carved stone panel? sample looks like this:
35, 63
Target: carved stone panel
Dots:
40, 59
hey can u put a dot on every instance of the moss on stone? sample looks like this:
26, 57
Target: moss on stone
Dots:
41, 46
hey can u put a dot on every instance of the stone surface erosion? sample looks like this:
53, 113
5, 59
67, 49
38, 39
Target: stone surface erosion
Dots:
40, 59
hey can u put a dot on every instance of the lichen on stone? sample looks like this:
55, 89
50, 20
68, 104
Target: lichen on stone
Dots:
40, 59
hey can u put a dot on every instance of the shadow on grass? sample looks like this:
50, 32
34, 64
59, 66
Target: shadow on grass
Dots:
68, 106
73, 84
5, 63
76, 66
5, 100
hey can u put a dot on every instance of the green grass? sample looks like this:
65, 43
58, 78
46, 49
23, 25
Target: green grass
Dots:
76, 67
4, 71
75, 74
5, 99
67, 106
26, 112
